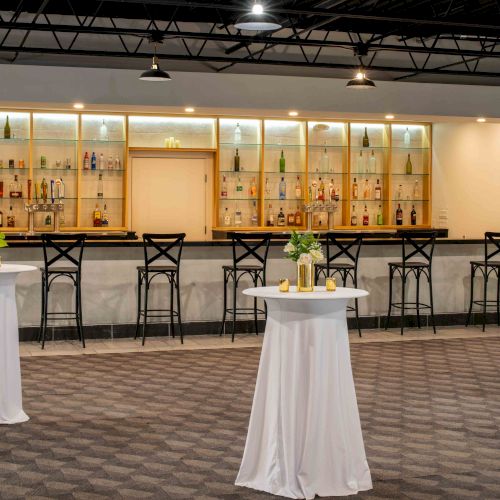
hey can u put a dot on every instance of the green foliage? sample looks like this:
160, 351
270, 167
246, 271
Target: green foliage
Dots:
300, 244
3, 243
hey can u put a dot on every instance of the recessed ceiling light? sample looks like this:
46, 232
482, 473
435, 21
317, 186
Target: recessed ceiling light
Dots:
293, 113
389, 117
78, 105
189, 110
481, 120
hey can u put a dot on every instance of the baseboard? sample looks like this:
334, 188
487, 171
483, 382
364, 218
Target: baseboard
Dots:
214, 327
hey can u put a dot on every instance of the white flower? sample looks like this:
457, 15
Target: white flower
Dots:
316, 255
289, 248
305, 258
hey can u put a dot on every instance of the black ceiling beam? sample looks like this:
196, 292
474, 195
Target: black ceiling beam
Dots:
226, 60
221, 37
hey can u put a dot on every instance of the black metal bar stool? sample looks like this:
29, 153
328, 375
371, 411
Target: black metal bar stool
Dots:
486, 267
156, 247
418, 244
342, 256
253, 246
54, 252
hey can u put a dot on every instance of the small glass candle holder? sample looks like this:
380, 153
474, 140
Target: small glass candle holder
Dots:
331, 284
284, 285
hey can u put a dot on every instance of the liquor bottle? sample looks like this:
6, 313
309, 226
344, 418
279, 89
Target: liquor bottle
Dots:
226, 218
110, 162
15, 188
237, 134
60, 189
366, 190
6, 129
416, 191
52, 191
253, 188
93, 162
67, 164
103, 132
254, 221
281, 218
1, 189
366, 217
324, 165
270, 217
360, 162
366, 140
291, 219
43, 162
223, 191
399, 192
48, 220
314, 190
354, 217
321, 190
1, 163
282, 162
11, 220
337, 192
399, 215
298, 217
267, 188
101, 162
1, 218
409, 166
282, 189
239, 189
105, 217
237, 217
21, 164
86, 161
373, 163
378, 190
100, 187
331, 191
44, 190
11, 163
380, 216
237, 161
413, 216
298, 189
354, 189
97, 216
118, 165
407, 138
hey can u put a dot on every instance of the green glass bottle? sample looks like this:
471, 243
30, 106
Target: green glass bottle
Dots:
366, 140
409, 166
380, 217
6, 129
282, 163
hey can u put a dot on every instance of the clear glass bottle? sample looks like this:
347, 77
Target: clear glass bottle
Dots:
110, 162
239, 188
103, 131
101, 162
118, 164
267, 188
360, 163
11, 219
355, 189
16, 188
378, 190
373, 163
282, 189
100, 187
86, 161
223, 190
407, 138
105, 217
354, 217
226, 220
314, 190
270, 217
366, 190
399, 192
237, 134
237, 217
254, 221
416, 191
298, 188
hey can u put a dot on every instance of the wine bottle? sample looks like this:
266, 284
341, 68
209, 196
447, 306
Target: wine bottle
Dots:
103, 132
373, 163
6, 129
282, 189
409, 166
407, 138
366, 217
354, 217
1, 218
399, 215
378, 190
366, 140
413, 216
416, 191
237, 161
380, 217
282, 162
354, 189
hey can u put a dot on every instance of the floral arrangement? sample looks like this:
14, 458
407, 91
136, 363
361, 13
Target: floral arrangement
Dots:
303, 248
3, 243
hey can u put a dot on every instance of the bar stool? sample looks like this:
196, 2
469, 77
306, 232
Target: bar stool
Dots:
418, 244
486, 266
339, 248
156, 247
54, 253
245, 245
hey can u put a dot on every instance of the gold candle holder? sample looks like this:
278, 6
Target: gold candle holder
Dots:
284, 285
331, 284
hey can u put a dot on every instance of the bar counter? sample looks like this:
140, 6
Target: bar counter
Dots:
110, 282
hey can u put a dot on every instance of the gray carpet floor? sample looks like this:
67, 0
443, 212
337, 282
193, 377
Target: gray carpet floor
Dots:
173, 424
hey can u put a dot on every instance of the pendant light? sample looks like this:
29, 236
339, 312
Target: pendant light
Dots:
257, 20
361, 82
155, 74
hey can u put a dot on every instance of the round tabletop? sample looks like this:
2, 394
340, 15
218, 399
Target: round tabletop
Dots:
15, 268
320, 293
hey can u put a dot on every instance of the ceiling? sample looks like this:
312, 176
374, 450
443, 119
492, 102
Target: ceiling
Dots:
445, 41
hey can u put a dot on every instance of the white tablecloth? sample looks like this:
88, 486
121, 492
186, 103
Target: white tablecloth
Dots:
304, 436
11, 402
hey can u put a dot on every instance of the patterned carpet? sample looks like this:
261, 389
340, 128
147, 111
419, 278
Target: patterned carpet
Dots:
173, 424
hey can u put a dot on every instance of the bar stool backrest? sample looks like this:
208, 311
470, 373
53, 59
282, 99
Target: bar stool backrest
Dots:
54, 252
250, 245
163, 245
345, 246
491, 239
418, 245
